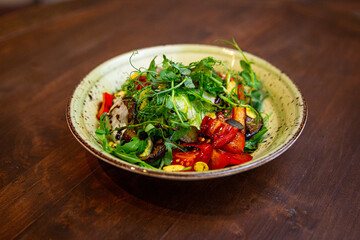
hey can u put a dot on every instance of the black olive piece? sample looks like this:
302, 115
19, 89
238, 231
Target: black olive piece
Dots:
234, 123
143, 135
118, 136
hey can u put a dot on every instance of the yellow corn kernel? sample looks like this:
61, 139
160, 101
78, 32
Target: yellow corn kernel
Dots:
173, 168
250, 113
212, 115
121, 93
230, 85
134, 75
201, 167
112, 144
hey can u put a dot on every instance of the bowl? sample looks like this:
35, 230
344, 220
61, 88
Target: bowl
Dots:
285, 103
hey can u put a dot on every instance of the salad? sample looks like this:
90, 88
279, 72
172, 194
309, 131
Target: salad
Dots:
177, 117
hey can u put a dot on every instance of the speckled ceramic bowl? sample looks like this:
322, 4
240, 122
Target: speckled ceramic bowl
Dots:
286, 104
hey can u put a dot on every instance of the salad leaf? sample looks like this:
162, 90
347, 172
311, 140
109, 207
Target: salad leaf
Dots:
134, 146
179, 133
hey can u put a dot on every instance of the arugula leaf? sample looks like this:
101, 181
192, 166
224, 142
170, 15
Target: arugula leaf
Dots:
169, 145
151, 71
131, 158
134, 146
180, 133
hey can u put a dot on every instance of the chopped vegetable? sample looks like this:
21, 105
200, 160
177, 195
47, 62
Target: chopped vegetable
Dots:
201, 167
220, 132
106, 104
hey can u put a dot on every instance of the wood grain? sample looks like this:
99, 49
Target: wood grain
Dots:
52, 188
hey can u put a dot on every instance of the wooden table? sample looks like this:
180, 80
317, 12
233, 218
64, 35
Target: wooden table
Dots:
52, 188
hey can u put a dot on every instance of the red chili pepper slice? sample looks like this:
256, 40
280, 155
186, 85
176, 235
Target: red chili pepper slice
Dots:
240, 92
106, 104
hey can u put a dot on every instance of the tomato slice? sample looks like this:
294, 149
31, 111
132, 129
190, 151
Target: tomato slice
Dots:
186, 159
220, 132
200, 152
205, 151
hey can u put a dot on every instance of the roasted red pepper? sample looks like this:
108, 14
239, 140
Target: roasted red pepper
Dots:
236, 145
220, 132
106, 104
221, 159
199, 152
239, 158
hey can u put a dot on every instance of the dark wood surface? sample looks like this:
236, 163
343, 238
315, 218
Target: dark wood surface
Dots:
52, 188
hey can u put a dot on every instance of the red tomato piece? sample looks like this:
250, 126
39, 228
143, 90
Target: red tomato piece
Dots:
205, 151
220, 132
141, 83
236, 145
186, 159
202, 152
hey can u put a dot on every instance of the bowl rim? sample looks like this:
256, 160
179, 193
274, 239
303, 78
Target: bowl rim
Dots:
186, 175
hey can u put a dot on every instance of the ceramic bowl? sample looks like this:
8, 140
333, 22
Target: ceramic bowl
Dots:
285, 103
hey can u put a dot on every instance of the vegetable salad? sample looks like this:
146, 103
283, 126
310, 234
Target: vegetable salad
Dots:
177, 117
